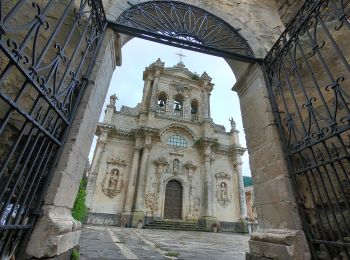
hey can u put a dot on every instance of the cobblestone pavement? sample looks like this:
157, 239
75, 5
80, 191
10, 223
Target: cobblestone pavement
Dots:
106, 242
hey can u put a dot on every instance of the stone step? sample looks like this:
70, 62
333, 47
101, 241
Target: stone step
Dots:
173, 228
174, 225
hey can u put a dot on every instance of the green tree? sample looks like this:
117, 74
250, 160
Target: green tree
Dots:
79, 209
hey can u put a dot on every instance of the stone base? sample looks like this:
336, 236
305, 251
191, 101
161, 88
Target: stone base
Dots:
126, 219
278, 244
241, 226
136, 217
103, 219
207, 223
55, 233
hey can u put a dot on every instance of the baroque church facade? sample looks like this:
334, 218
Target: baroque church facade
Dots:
166, 158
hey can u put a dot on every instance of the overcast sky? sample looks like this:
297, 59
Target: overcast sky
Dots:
138, 54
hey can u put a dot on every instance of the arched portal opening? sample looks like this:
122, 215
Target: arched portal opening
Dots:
173, 200
188, 37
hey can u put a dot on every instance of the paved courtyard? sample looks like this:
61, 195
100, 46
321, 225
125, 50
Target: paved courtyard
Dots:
107, 242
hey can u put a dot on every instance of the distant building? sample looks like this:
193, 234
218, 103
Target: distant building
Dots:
166, 158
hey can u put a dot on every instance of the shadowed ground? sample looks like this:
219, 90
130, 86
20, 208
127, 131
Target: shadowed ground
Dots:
107, 242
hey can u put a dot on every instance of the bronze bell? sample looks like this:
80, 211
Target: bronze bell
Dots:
177, 107
161, 103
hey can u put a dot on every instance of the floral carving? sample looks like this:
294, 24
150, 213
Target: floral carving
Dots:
150, 201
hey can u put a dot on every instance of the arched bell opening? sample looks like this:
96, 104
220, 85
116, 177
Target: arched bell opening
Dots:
194, 110
178, 105
161, 103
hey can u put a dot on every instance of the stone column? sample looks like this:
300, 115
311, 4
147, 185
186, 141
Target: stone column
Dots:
205, 105
242, 199
91, 185
126, 216
146, 89
209, 94
208, 212
186, 108
208, 218
140, 199
153, 102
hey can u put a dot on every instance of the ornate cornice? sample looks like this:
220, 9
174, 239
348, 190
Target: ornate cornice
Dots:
116, 161
222, 176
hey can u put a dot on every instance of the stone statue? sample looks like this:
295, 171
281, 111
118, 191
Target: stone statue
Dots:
176, 166
112, 100
223, 191
111, 185
233, 123
113, 179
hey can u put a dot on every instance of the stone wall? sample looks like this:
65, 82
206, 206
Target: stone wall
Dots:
288, 8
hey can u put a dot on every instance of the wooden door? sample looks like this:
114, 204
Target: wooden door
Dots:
173, 200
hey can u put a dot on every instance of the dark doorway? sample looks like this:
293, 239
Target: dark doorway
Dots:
173, 200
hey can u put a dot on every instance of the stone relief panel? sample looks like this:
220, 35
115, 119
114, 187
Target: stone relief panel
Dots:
223, 194
112, 183
151, 201
195, 203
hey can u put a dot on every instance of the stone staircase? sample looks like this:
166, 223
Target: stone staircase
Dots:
174, 225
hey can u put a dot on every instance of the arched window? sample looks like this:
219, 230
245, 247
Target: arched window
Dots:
161, 104
194, 110
177, 141
178, 105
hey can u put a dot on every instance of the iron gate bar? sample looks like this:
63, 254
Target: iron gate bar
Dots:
168, 40
180, 24
45, 126
314, 129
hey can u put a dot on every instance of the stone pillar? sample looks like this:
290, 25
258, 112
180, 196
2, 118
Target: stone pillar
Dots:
140, 197
186, 108
153, 102
205, 105
146, 89
278, 217
208, 218
126, 216
91, 185
242, 199
209, 94
170, 105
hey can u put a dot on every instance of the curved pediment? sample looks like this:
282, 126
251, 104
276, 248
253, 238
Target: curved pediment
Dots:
176, 128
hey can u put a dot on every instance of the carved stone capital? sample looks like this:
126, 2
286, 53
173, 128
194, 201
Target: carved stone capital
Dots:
190, 166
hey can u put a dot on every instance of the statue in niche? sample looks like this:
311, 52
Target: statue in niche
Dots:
111, 185
223, 191
176, 166
223, 195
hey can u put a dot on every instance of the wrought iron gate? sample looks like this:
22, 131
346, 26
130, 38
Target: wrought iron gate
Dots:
47, 50
308, 73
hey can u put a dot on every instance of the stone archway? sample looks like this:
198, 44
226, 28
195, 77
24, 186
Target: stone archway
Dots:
261, 135
173, 200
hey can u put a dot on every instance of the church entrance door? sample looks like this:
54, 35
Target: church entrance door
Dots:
173, 200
